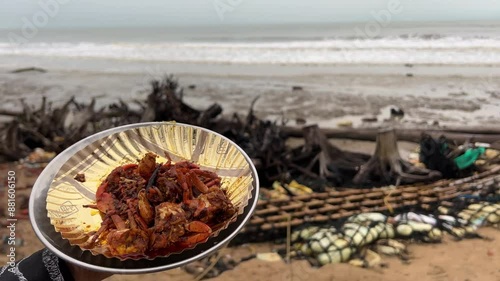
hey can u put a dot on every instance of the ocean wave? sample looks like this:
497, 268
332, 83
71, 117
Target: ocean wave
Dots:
389, 50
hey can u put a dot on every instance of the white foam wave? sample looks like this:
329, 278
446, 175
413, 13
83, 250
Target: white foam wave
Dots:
446, 50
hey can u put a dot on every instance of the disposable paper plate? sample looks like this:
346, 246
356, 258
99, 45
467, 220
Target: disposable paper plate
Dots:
62, 223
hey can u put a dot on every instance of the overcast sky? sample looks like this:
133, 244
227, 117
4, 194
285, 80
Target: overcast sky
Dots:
84, 13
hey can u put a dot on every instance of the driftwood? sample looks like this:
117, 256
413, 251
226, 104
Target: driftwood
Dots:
331, 162
53, 129
27, 69
318, 163
405, 134
56, 128
262, 140
7, 112
387, 167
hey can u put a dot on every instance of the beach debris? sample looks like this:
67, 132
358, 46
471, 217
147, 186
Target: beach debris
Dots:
414, 158
262, 140
356, 239
270, 219
297, 88
192, 87
458, 135
300, 121
397, 113
53, 129
293, 188
269, 257
211, 266
409, 74
469, 157
454, 161
48, 128
475, 214
345, 124
39, 155
370, 119
317, 164
433, 154
426, 232
318, 158
391, 247
369, 259
459, 94
28, 69
387, 167
165, 103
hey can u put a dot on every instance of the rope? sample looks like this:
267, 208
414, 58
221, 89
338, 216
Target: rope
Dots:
207, 270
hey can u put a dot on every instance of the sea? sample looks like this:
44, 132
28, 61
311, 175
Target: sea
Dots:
450, 43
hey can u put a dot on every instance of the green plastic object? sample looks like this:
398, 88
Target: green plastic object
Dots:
469, 157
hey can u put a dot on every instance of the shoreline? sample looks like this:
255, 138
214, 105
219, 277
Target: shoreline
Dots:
323, 99
123, 66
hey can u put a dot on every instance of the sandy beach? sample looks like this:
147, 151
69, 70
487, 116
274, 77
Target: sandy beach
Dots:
326, 98
327, 79
469, 259
449, 260
432, 95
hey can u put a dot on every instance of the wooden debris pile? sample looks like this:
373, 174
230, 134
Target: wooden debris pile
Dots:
48, 127
317, 163
56, 128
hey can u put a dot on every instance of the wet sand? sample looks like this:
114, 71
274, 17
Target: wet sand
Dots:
326, 97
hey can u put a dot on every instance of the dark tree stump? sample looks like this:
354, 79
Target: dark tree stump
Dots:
387, 167
326, 160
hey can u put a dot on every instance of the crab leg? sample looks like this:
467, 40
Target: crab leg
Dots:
104, 225
213, 182
133, 224
205, 174
119, 223
198, 183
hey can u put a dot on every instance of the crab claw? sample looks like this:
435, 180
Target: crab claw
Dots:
198, 226
201, 230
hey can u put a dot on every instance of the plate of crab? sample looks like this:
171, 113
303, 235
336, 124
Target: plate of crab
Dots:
144, 197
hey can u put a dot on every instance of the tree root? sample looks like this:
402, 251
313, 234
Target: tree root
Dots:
320, 157
387, 167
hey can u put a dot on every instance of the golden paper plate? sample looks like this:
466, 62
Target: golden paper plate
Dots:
62, 223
